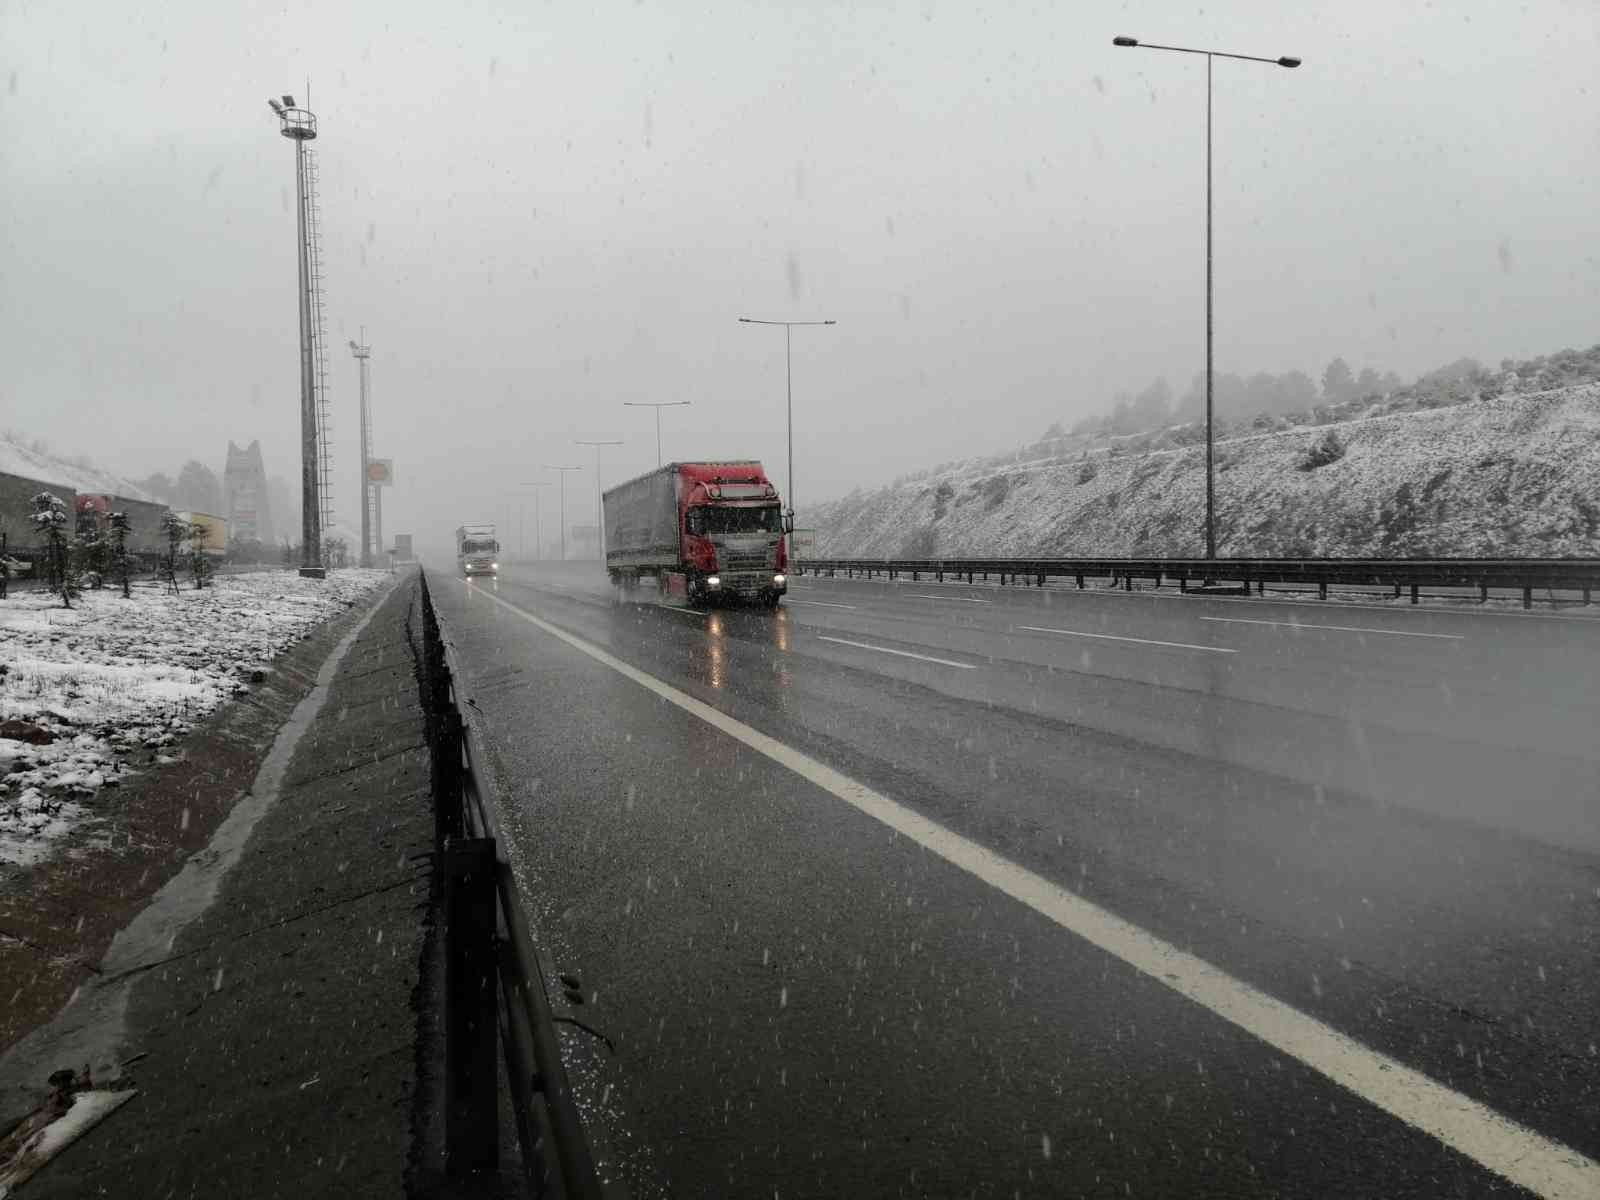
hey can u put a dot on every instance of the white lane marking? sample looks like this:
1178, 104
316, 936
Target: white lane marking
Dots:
818, 603
959, 599
1474, 1130
902, 653
1111, 637
688, 612
1452, 637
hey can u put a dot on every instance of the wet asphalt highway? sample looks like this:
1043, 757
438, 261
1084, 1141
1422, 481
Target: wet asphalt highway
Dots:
1388, 822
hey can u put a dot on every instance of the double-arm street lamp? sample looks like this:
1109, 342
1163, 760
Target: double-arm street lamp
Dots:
658, 408
788, 386
599, 519
1211, 525
563, 471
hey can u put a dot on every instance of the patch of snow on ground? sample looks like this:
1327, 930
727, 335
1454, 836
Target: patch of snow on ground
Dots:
118, 682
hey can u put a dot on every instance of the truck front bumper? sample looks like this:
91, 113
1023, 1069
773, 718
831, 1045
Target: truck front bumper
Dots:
746, 585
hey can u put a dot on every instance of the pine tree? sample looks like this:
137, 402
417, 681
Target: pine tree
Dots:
50, 521
1338, 384
199, 560
120, 563
175, 530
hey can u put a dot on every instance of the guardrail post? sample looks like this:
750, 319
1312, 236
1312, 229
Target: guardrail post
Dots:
1415, 589
472, 1080
1322, 590
1080, 581
1483, 593
1527, 597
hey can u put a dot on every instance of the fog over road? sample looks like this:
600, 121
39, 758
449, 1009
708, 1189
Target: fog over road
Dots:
1383, 819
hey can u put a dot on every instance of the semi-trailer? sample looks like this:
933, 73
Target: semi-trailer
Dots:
704, 531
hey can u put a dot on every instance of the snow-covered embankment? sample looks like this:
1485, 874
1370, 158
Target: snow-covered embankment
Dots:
1513, 476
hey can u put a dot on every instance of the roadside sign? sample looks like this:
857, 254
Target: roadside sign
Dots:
803, 543
380, 471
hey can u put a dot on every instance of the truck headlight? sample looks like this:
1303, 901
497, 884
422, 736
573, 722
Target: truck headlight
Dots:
780, 580
494, 566
713, 581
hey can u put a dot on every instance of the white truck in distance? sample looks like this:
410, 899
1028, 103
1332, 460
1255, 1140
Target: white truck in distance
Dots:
477, 551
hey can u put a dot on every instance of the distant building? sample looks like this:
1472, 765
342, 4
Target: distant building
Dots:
244, 490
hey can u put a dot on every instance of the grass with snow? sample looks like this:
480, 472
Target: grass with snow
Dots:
120, 681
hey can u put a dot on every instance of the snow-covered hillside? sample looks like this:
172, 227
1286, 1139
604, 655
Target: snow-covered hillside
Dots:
1518, 475
19, 458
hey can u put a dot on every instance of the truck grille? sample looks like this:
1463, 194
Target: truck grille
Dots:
745, 562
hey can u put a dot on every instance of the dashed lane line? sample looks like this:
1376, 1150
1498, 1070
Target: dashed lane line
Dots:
955, 599
817, 603
1445, 637
1512, 1151
1111, 637
945, 662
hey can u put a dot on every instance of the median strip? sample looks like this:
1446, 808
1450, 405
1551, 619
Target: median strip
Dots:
1111, 637
1511, 1150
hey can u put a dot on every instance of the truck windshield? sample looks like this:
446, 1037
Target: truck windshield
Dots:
728, 519
486, 547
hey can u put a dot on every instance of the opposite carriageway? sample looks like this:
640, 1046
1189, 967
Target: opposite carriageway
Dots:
1524, 575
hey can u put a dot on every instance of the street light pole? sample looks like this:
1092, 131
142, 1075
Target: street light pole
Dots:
658, 408
368, 493
563, 471
538, 523
599, 516
1286, 61
299, 125
788, 392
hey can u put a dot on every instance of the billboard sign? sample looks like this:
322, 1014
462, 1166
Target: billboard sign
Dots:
803, 543
380, 471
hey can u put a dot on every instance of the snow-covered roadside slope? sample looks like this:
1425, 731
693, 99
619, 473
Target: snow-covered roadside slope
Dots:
116, 682
1515, 476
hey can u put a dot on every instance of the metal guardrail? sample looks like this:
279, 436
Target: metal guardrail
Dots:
1525, 575
493, 985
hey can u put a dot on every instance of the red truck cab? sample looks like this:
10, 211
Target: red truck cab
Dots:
733, 536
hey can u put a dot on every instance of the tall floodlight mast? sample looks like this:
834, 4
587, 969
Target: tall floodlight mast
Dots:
299, 125
368, 488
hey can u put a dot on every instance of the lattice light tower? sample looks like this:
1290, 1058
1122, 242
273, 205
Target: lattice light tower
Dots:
299, 125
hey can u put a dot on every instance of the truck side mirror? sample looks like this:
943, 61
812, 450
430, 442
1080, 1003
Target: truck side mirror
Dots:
788, 523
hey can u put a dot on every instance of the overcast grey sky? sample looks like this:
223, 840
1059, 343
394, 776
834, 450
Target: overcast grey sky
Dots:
539, 211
